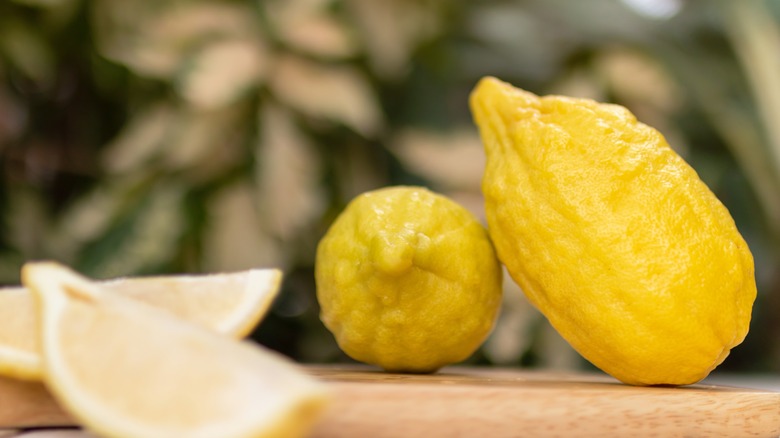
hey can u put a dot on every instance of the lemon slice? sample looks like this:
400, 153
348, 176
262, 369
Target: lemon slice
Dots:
127, 369
229, 303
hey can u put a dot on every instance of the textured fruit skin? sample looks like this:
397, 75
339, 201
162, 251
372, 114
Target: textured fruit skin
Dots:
612, 236
407, 280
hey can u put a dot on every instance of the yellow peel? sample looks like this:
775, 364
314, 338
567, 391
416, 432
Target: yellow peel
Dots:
612, 235
407, 280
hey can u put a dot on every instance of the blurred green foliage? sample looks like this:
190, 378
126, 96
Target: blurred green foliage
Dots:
189, 136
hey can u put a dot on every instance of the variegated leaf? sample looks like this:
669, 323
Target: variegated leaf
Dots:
203, 143
140, 140
154, 39
222, 72
332, 92
234, 238
450, 160
288, 175
144, 239
311, 27
89, 217
175, 139
392, 29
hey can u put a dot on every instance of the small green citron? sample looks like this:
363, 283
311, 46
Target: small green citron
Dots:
612, 236
407, 280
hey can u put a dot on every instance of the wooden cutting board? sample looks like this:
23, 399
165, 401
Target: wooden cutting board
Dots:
489, 402
471, 402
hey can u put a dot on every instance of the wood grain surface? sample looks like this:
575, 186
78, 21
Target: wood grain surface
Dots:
28, 404
469, 402
481, 402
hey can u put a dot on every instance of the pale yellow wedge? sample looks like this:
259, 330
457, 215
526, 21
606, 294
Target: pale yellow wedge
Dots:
127, 369
228, 303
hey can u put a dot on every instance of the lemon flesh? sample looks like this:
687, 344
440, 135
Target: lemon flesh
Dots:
127, 369
612, 236
407, 280
229, 303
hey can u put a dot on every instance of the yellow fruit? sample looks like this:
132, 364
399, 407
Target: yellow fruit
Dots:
127, 369
407, 280
230, 303
612, 235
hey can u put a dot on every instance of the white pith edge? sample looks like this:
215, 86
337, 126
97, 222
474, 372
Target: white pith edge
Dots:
19, 364
264, 283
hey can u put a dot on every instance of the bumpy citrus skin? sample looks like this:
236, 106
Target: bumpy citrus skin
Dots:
407, 280
612, 236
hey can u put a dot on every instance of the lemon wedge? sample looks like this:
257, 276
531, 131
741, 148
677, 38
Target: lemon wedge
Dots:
229, 303
127, 369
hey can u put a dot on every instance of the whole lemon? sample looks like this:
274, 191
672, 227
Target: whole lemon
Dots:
407, 280
612, 236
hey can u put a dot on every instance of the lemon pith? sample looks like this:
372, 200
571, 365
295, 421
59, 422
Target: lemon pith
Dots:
612, 236
407, 280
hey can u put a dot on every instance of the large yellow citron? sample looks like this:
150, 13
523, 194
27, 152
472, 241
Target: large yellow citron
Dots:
612, 236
